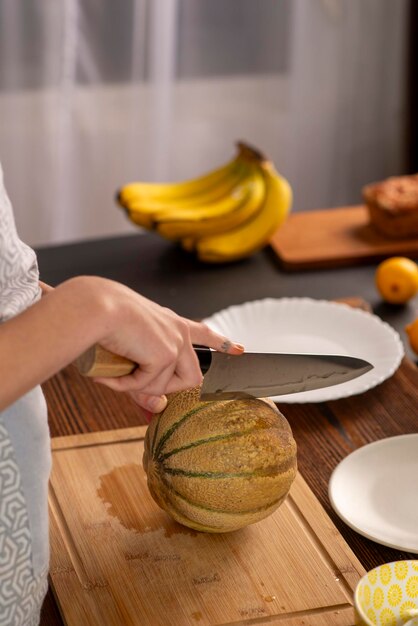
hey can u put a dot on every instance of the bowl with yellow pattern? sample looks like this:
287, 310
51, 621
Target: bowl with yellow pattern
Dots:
388, 595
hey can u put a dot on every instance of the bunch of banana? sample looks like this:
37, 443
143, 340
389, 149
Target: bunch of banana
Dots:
225, 215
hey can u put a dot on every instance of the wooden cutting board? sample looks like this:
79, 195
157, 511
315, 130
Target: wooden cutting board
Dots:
117, 559
333, 238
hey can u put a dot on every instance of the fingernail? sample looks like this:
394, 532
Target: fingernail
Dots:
157, 404
228, 345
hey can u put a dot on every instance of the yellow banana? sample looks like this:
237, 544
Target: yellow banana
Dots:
162, 192
224, 215
239, 205
255, 232
147, 210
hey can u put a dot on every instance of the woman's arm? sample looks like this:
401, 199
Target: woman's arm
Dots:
85, 310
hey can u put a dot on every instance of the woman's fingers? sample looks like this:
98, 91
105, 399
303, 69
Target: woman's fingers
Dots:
177, 370
183, 373
201, 334
140, 380
151, 404
187, 374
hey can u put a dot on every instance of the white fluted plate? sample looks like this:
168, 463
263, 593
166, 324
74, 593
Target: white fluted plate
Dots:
305, 325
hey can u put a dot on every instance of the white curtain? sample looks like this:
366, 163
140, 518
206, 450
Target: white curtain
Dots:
96, 93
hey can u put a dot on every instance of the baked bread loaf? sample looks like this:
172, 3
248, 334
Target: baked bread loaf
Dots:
393, 206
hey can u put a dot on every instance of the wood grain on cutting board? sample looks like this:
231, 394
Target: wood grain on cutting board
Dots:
117, 559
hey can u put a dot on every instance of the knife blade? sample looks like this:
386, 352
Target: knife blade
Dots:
249, 374
276, 374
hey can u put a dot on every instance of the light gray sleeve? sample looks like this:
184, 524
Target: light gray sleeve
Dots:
19, 275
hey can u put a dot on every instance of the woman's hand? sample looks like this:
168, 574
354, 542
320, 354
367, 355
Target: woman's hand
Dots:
161, 342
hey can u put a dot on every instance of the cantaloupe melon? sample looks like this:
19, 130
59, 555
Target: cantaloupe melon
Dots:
219, 466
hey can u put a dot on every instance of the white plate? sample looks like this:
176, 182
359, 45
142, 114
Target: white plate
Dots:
375, 491
319, 326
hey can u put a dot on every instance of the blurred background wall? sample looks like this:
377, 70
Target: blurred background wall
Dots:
96, 93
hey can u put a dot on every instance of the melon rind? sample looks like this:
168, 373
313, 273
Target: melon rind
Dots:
219, 466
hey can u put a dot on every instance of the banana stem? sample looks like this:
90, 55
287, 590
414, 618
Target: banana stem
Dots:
252, 154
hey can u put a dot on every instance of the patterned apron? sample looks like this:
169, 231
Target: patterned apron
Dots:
25, 456
24, 548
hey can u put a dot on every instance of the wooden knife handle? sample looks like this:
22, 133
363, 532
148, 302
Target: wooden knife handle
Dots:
98, 361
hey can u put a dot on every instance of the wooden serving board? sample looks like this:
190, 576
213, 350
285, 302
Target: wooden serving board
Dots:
333, 238
117, 559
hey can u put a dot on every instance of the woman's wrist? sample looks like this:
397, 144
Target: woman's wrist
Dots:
91, 300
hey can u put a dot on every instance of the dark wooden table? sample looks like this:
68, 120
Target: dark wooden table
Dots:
325, 432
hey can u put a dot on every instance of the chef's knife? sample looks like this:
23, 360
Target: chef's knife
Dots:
249, 374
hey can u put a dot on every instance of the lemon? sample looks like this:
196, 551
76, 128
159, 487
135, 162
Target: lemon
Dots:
412, 332
397, 279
